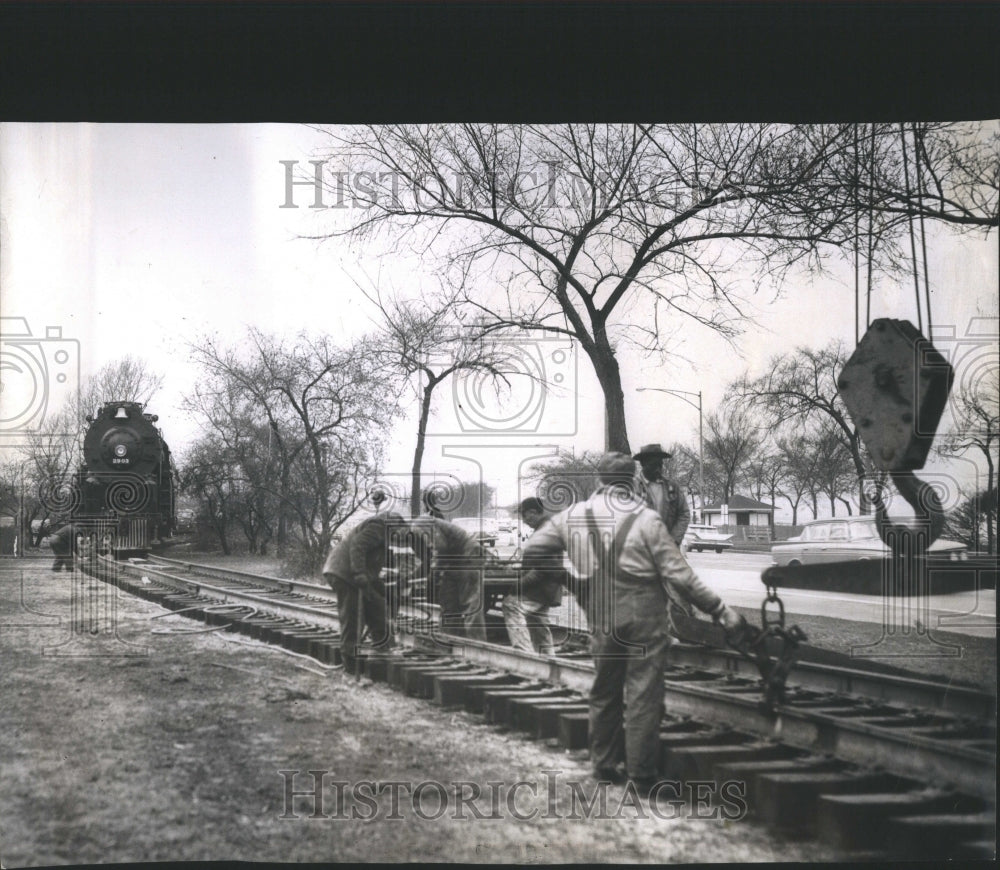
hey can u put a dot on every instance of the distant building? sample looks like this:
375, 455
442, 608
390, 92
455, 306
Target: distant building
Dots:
742, 511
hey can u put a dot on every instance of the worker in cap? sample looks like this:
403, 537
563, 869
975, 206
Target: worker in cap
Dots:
354, 570
526, 612
634, 566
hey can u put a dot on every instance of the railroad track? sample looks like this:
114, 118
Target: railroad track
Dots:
869, 762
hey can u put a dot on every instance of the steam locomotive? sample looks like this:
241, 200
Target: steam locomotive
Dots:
125, 485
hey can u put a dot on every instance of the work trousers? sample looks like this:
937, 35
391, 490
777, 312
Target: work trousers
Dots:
374, 614
64, 557
626, 698
528, 625
461, 597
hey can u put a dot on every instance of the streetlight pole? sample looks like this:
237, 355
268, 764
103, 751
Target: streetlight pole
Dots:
680, 394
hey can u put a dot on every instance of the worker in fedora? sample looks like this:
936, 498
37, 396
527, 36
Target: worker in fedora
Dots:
659, 492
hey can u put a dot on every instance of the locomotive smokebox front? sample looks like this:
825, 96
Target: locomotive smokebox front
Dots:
122, 439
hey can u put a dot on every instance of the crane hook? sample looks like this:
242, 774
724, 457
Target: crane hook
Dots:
895, 387
927, 509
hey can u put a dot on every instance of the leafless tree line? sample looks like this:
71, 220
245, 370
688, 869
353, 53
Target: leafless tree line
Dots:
36, 482
612, 233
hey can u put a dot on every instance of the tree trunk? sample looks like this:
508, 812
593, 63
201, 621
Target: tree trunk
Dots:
991, 508
864, 505
220, 530
418, 453
609, 376
282, 539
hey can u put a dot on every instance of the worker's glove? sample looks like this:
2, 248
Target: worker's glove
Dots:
733, 624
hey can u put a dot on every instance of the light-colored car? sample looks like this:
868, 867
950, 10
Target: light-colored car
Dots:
703, 537
846, 540
484, 529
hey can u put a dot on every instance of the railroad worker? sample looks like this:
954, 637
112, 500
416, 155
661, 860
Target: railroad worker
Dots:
353, 569
526, 611
634, 565
62, 543
430, 505
457, 563
660, 493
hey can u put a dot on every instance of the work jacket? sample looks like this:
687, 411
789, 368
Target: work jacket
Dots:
542, 572
360, 557
666, 498
649, 567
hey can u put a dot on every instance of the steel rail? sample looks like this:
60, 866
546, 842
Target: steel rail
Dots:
324, 615
836, 731
912, 691
851, 729
321, 590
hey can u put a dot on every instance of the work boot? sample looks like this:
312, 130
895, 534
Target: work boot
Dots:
613, 775
57, 565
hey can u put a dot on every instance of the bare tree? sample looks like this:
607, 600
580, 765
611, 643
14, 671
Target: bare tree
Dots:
800, 465
325, 411
430, 341
765, 475
977, 428
970, 518
683, 468
607, 232
52, 454
732, 442
834, 470
128, 379
564, 480
801, 389
209, 475
472, 498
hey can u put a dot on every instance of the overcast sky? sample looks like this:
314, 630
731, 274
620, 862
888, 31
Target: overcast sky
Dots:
137, 239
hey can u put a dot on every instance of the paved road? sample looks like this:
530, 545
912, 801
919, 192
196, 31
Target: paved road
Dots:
736, 577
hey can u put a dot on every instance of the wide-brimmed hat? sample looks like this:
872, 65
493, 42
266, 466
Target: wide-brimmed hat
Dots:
651, 451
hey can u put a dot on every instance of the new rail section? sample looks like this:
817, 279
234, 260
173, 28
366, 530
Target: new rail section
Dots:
867, 761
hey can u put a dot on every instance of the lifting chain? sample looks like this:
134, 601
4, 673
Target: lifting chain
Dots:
752, 643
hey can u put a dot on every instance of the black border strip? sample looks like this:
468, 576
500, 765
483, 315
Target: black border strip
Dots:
516, 61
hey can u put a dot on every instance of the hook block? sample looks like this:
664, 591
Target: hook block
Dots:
895, 387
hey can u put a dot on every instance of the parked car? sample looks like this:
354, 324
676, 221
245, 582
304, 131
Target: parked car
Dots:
702, 537
849, 539
484, 529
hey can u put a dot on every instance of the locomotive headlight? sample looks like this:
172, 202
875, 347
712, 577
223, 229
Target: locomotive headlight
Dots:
120, 450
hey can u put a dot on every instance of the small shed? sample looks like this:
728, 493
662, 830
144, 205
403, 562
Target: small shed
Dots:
740, 511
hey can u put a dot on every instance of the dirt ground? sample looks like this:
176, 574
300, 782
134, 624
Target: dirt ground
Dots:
138, 746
